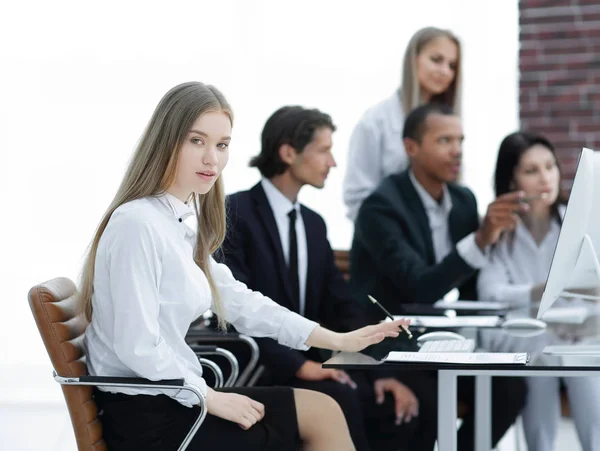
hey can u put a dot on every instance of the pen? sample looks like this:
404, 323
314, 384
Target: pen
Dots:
388, 314
528, 200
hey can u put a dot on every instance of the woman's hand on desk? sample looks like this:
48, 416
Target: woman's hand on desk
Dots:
313, 371
358, 339
406, 403
235, 408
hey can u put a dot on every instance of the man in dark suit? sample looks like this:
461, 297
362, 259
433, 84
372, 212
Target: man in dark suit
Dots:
279, 247
418, 236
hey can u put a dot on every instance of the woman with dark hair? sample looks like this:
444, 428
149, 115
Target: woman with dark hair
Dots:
519, 266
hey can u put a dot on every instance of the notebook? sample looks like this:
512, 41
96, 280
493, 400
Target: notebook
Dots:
470, 305
467, 358
458, 321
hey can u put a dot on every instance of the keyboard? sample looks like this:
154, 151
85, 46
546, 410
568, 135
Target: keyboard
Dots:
467, 345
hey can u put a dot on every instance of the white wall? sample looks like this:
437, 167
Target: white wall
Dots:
78, 83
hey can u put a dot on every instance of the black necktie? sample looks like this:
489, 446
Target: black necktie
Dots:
293, 262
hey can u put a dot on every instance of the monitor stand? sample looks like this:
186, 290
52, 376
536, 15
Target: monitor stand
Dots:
586, 265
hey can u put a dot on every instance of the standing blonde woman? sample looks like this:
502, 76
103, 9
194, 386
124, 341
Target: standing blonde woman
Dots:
431, 73
149, 274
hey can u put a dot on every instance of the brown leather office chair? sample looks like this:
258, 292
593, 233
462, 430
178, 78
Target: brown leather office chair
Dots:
53, 305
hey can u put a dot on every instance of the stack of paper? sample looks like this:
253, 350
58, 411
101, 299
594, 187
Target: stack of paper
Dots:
458, 321
475, 358
470, 305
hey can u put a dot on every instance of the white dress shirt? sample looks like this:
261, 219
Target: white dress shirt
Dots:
148, 290
376, 150
516, 267
438, 214
281, 207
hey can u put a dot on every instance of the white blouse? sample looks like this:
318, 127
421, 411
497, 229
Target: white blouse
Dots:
516, 267
148, 290
376, 151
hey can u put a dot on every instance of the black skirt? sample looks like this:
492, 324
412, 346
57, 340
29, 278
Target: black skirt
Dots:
160, 423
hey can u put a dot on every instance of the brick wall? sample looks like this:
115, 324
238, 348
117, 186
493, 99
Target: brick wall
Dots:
559, 64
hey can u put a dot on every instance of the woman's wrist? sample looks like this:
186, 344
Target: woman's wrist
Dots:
210, 394
325, 339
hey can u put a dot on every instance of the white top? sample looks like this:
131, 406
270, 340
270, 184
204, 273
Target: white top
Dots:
516, 267
148, 290
281, 207
376, 151
437, 214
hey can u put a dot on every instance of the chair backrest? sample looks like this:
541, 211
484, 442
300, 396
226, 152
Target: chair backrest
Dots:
54, 308
342, 261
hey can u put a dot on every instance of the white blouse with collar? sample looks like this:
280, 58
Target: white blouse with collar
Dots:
148, 290
517, 265
376, 150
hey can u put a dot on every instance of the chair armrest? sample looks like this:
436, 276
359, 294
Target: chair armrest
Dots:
167, 384
215, 369
204, 336
205, 349
132, 380
202, 350
196, 333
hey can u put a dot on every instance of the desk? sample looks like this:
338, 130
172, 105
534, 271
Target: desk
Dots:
539, 365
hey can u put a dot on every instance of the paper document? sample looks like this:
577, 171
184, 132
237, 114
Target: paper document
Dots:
470, 305
458, 321
468, 358
566, 315
577, 349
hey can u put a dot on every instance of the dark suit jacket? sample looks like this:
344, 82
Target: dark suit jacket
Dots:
392, 256
252, 250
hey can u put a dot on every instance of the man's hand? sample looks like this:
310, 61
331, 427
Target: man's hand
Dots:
502, 214
313, 371
406, 403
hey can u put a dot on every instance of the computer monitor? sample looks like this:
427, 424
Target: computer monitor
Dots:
575, 263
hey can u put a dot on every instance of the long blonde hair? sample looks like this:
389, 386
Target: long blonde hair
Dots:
410, 91
152, 171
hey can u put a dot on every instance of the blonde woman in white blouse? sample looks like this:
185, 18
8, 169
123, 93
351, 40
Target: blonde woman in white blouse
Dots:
431, 73
149, 275
517, 273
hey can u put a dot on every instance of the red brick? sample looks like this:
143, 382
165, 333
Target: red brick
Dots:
572, 27
557, 43
559, 82
542, 4
560, 63
551, 33
578, 48
565, 77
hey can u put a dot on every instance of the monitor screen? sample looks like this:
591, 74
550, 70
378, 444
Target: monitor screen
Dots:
565, 270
